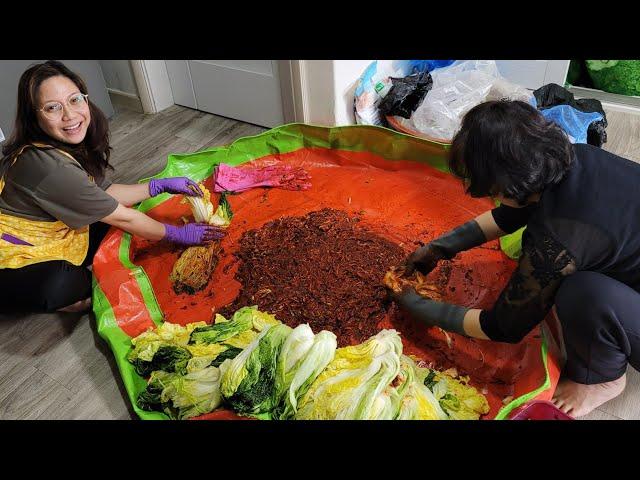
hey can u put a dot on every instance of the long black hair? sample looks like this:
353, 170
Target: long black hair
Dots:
509, 148
92, 153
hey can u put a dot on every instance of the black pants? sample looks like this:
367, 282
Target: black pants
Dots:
600, 319
49, 286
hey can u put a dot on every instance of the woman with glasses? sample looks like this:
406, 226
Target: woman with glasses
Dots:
55, 202
580, 250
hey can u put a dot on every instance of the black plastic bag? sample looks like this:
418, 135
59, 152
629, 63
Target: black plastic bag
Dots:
406, 94
552, 94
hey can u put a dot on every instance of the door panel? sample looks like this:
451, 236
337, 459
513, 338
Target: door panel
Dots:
247, 90
263, 67
181, 86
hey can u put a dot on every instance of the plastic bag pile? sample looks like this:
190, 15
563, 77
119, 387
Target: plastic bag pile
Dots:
429, 98
457, 86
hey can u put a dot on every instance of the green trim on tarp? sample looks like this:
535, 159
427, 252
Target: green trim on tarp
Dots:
150, 301
381, 141
506, 410
120, 344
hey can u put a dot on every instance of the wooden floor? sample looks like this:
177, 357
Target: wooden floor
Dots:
55, 366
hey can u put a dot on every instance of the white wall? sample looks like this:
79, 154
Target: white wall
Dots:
119, 76
156, 94
318, 92
327, 90
345, 76
533, 74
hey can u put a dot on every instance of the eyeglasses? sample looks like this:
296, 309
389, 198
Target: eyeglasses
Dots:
54, 110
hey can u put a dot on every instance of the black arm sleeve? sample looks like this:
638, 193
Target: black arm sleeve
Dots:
530, 293
510, 219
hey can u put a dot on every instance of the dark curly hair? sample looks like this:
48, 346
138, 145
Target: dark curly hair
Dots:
507, 147
92, 153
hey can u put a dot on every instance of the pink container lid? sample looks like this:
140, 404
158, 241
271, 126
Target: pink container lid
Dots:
539, 410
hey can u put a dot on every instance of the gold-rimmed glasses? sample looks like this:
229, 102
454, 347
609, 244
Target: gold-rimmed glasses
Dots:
54, 110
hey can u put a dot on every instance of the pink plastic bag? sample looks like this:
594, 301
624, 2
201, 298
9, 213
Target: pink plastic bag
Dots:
239, 179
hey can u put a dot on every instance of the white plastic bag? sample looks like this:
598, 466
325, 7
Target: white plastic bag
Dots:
456, 90
375, 83
502, 89
373, 86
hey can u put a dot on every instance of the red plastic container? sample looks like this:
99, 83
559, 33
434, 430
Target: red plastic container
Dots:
539, 410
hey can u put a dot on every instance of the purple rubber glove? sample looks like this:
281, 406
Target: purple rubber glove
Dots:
193, 233
174, 185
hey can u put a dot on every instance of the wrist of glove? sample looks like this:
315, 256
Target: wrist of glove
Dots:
193, 234
431, 313
182, 185
462, 238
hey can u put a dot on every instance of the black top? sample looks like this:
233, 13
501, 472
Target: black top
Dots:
588, 221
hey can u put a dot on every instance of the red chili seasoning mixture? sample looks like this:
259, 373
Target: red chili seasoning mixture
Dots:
322, 269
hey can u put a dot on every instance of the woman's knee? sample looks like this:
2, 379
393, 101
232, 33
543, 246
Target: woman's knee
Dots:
584, 296
64, 287
589, 299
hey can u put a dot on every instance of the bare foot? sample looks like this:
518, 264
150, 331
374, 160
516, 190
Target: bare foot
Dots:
79, 306
577, 399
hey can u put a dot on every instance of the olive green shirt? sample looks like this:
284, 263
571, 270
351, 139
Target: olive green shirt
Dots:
45, 185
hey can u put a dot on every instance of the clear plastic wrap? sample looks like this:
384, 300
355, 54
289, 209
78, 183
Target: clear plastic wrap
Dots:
456, 90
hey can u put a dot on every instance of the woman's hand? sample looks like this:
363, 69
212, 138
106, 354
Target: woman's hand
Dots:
468, 235
193, 234
137, 223
174, 185
424, 259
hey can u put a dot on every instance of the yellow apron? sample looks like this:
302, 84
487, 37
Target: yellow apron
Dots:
49, 240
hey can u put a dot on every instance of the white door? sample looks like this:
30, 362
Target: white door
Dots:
247, 90
533, 74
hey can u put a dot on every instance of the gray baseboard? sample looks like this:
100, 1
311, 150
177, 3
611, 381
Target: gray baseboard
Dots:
123, 100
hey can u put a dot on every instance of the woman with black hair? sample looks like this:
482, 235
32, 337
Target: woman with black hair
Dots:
55, 203
580, 250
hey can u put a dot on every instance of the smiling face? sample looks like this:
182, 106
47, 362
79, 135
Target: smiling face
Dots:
70, 126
